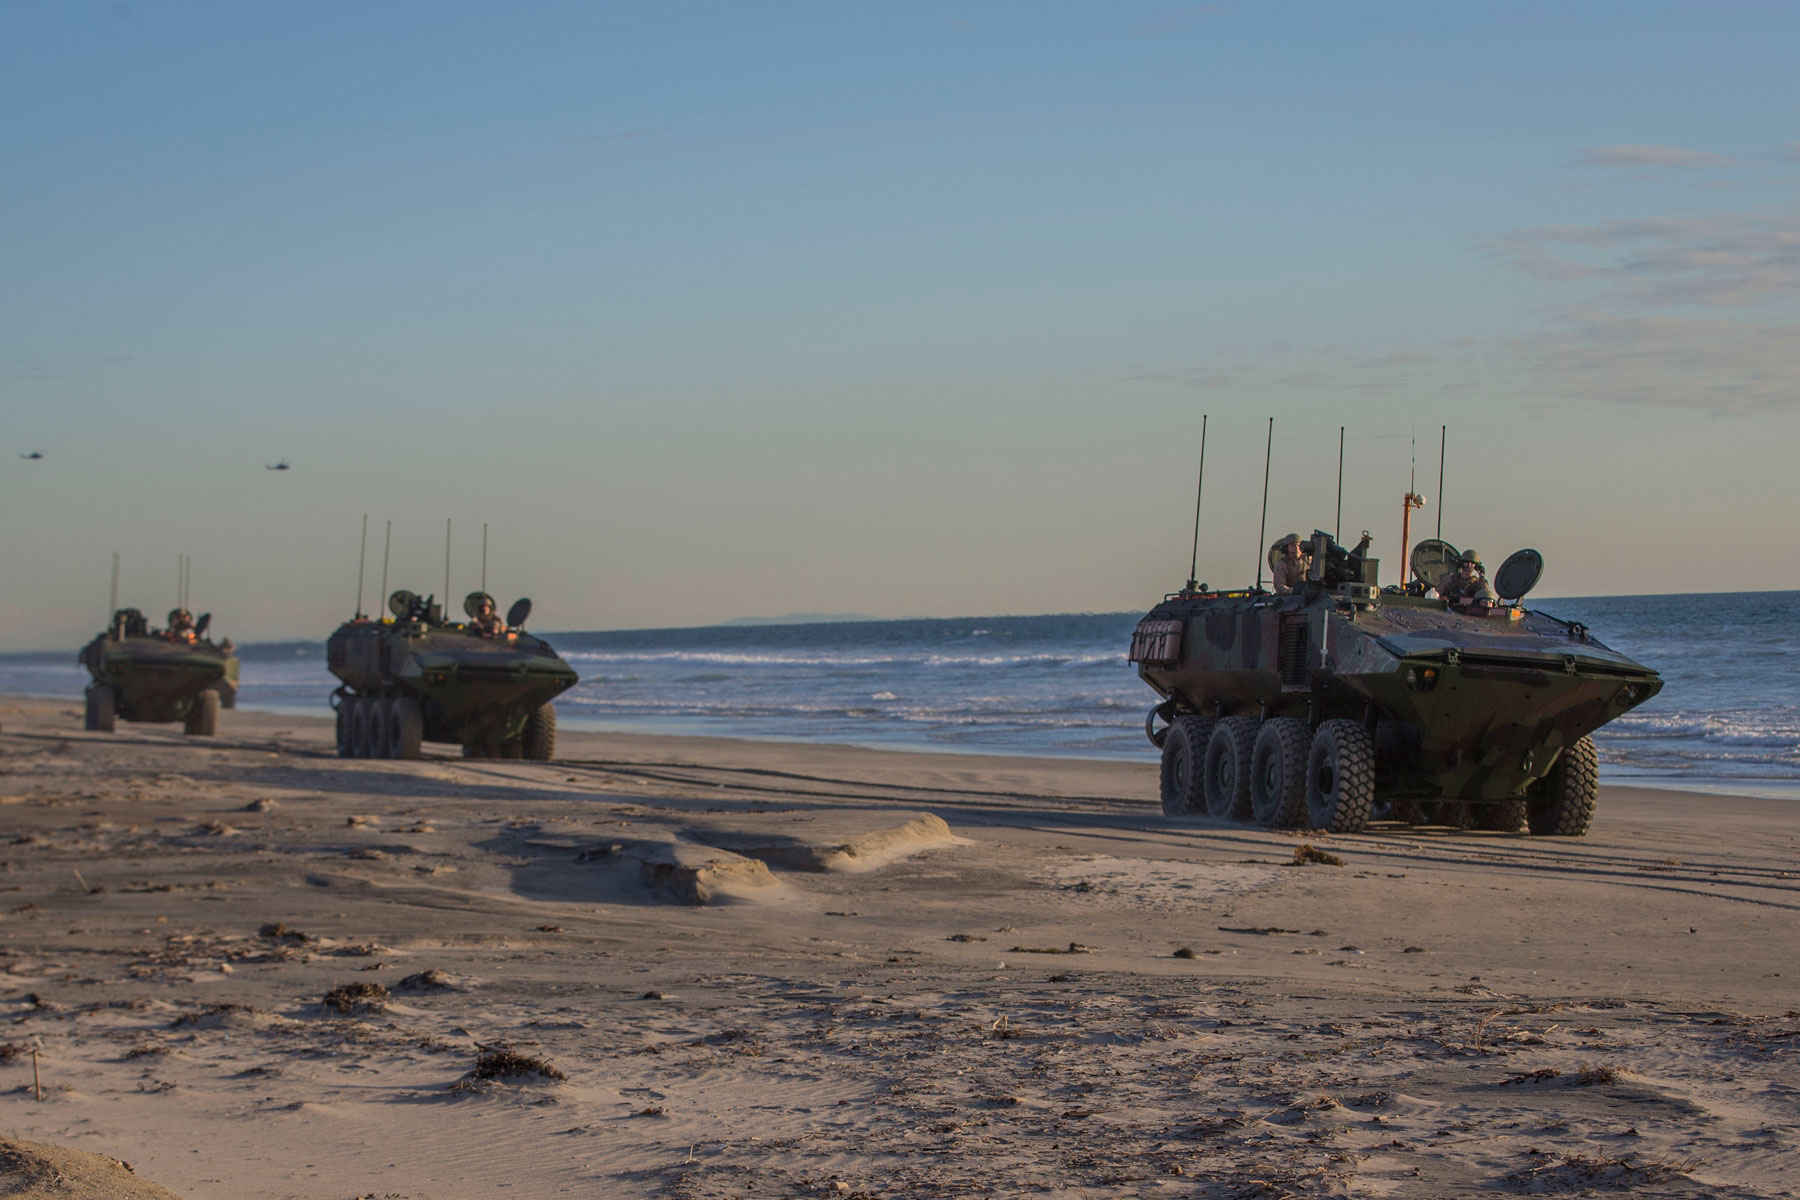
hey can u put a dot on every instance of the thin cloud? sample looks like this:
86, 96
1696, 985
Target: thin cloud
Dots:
1720, 260
1649, 155
1719, 366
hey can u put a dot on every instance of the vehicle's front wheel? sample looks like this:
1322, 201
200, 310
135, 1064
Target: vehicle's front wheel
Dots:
1561, 804
409, 729
539, 739
1278, 772
1340, 777
102, 708
203, 715
1183, 763
1228, 755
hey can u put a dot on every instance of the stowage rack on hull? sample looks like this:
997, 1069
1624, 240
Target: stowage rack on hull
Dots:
415, 678
1339, 703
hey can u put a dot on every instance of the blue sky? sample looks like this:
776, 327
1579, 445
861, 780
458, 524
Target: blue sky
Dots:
720, 309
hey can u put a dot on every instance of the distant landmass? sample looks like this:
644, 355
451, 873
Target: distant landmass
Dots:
803, 619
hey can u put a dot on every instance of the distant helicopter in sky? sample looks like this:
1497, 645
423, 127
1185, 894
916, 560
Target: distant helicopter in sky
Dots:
34, 456
283, 465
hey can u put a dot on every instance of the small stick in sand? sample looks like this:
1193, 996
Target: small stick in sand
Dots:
37, 1084
80, 880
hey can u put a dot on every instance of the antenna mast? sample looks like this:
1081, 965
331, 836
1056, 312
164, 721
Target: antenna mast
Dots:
1443, 437
386, 543
1194, 564
1413, 500
1262, 531
362, 556
1337, 534
445, 606
115, 587
484, 545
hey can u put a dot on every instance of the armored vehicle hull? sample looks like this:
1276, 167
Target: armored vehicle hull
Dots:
143, 677
411, 680
1328, 707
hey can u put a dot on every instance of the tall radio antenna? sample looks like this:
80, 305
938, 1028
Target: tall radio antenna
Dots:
1443, 438
1262, 531
445, 606
114, 606
484, 556
362, 561
1337, 534
1193, 582
386, 544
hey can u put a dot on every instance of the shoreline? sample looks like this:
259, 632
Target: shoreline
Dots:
912, 975
1765, 789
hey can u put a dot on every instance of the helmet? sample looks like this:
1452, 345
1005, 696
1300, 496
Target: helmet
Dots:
474, 600
1292, 539
176, 614
1469, 556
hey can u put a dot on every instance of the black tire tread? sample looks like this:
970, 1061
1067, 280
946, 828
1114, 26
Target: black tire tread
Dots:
1186, 735
1353, 792
1501, 816
1562, 803
102, 708
539, 739
1235, 736
203, 715
1289, 738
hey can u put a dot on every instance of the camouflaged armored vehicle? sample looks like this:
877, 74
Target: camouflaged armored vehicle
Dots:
140, 674
415, 678
1341, 702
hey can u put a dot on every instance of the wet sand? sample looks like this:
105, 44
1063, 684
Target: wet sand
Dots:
770, 970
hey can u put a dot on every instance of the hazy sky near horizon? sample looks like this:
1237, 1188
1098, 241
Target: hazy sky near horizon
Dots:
721, 309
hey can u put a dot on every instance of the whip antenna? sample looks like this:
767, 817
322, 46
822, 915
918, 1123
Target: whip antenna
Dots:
1262, 531
1338, 533
484, 556
1443, 437
1194, 563
386, 543
445, 606
362, 556
114, 607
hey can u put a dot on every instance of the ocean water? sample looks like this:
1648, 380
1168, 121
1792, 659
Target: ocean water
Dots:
1728, 718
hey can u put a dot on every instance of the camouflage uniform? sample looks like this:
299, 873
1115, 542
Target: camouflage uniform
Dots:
1290, 570
486, 622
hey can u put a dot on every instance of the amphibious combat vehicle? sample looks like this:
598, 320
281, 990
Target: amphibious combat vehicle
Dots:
1342, 701
140, 674
416, 677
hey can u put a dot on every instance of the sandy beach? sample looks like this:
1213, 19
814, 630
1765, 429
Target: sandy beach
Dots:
710, 968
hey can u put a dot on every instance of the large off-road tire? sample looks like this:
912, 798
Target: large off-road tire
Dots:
1501, 816
1278, 772
1452, 814
1561, 804
1340, 777
538, 742
1183, 762
102, 708
408, 720
1227, 778
346, 746
362, 727
383, 730
203, 715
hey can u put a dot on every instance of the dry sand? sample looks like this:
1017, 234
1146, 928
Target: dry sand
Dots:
912, 975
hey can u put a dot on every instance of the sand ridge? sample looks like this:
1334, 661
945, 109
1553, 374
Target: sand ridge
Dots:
1031, 982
